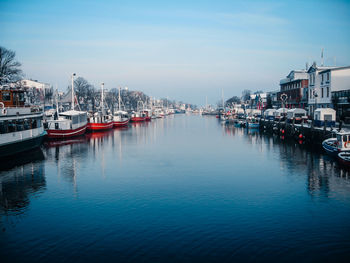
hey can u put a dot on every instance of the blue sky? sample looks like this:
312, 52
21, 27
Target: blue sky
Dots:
185, 50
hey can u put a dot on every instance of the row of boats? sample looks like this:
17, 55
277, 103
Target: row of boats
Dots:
23, 127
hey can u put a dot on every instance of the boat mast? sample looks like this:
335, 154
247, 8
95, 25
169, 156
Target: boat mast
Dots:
73, 91
222, 94
57, 102
102, 84
119, 99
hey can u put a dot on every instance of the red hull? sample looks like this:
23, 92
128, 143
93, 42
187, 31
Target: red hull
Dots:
138, 119
148, 119
99, 126
54, 134
120, 123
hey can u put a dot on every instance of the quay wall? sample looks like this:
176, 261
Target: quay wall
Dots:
306, 132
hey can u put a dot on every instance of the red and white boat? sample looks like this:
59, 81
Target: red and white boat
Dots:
120, 119
69, 123
100, 121
148, 114
138, 116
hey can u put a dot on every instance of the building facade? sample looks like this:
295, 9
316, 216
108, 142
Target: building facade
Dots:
295, 88
327, 85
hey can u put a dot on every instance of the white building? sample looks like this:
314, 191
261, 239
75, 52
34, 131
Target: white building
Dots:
29, 83
318, 97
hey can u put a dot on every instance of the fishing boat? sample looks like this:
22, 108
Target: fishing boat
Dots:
67, 124
331, 146
100, 120
139, 115
21, 126
120, 118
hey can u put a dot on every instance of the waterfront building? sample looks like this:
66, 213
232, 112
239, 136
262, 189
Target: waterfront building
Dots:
258, 101
37, 91
319, 97
295, 86
336, 82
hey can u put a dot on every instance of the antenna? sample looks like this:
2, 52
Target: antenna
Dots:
322, 60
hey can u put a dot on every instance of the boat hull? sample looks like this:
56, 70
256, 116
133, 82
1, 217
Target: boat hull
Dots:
11, 149
120, 123
331, 150
56, 134
137, 119
99, 126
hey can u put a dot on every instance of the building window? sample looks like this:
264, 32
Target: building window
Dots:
327, 75
322, 77
322, 93
327, 92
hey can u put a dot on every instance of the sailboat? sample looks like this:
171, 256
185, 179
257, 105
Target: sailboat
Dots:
120, 118
100, 120
69, 123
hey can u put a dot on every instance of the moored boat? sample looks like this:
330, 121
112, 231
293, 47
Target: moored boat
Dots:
331, 146
344, 158
21, 127
120, 119
100, 120
67, 124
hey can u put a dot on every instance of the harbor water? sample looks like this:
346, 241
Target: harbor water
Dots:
184, 188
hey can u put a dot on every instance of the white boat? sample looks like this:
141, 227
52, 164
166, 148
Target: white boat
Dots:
69, 123
21, 127
120, 118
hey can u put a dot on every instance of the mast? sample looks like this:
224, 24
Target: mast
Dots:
119, 99
222, 94
57, 102
73, 91
102, 84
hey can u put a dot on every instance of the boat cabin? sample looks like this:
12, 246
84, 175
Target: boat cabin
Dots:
269, 114
343, 139
280, 114
297, 114
324, 116
12, 97
68, 120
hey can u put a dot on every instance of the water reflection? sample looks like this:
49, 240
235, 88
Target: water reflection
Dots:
323, 173
20, 179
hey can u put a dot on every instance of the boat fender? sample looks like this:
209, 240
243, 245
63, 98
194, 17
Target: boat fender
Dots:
282, 131
346, 144
300, 136
4, 111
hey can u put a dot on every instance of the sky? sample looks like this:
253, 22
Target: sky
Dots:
184, 50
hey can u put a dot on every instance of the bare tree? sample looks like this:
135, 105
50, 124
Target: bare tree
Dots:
9, 68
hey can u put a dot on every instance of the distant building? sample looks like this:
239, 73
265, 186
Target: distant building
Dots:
258, 101
295, 86
273, 97
37, 91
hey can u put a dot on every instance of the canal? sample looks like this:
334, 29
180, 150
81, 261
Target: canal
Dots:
181, 189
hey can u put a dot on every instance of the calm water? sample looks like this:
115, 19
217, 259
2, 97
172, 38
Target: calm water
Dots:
183, 189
